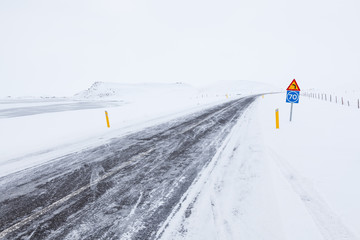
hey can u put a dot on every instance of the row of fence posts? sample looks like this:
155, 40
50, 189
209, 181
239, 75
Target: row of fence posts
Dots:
323, 96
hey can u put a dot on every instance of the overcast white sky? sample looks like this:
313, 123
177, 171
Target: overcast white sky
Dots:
62, 47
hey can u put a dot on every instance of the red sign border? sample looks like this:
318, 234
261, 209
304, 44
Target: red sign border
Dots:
291, 84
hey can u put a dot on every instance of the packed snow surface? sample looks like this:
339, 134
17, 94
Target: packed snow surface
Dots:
296, 182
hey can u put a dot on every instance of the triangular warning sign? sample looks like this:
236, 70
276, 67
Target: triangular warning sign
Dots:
293, 86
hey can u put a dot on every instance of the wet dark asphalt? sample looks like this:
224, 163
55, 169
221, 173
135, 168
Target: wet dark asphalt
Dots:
128, 186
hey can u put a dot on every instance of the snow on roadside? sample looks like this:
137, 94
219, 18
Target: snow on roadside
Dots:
348, 98
319, 154
297, 182
235, 196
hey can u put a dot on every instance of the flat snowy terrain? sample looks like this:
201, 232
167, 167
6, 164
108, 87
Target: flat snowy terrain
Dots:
296, 182
178, 163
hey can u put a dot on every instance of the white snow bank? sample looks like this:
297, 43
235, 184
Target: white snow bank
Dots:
296, 182
241, 195
347, 98
320, 149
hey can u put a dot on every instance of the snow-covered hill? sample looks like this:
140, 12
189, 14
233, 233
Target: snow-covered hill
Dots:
120, 91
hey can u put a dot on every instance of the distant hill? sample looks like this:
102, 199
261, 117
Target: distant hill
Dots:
120, 91
130, 92
239, 87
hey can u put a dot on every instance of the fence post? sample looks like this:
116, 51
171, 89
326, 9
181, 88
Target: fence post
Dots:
342, 101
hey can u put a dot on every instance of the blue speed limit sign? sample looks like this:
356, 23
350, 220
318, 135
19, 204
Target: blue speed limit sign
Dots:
292, 96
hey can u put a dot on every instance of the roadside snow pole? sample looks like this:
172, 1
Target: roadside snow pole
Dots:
277, 118
107, 119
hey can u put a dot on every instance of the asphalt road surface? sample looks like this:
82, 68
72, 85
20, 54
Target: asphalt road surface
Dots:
124, 189
54, 107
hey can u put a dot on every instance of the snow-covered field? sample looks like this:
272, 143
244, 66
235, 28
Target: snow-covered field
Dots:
39, 129
348, 98
296, 182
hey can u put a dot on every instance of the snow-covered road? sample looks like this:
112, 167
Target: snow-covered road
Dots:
124, 189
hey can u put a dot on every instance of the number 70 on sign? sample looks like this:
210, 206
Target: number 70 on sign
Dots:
292, 97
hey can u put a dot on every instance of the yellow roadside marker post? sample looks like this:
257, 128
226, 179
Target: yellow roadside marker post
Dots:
277, 118
262, 96
107, 119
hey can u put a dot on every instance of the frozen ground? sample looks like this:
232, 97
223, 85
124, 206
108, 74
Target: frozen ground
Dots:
349, 98
297, 182
229, 174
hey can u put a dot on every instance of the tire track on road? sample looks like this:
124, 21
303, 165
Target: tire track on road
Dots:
66, 198
329, 224
164, 161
